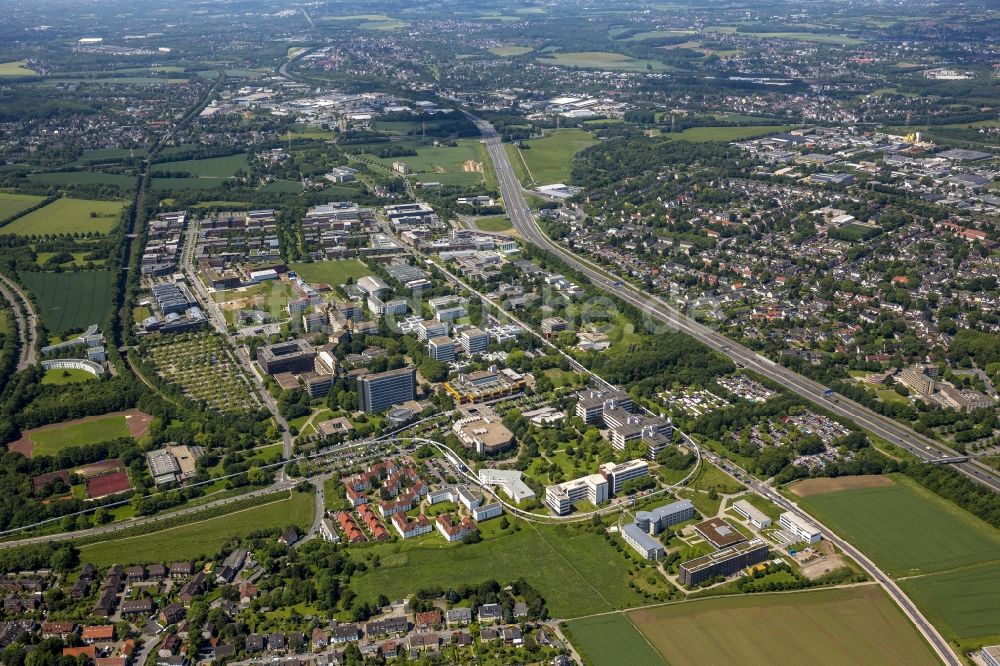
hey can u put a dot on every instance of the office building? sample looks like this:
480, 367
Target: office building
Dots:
430, 328
754, 516
722, 562
294, 356
384, 389
441, 348
481, 429
562, 497
617, 475
645, 545
474, 341
591, 405
656, 520
553, 325
801, 529
509, 481
719, 533
991, 655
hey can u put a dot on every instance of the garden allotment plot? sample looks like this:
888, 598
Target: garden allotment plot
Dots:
205, 370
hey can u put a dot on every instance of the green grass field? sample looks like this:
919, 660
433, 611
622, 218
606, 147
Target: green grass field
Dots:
962, 603
15, 69
495, 224
444, 164
548, 160
705, 134
206, 173
577, 572
67, 216
611, 640
331, 272
71, 300
602, 60
905, 528
51, 442
60, 377
857, 625
83, 178
511, 51
12, 204
198, 539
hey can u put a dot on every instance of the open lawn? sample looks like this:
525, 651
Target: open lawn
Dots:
576, 571
213, 167
204, 538
67, 216
83, 178
331, 272
50, 441
463, 164
71, 300
59, 377
12, 204
858, 625
905, 528
548, 160
511, 51
15, 69
602, 60
611, 640
495, 224
705, 134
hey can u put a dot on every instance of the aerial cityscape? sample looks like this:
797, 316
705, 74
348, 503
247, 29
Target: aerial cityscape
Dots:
548, 332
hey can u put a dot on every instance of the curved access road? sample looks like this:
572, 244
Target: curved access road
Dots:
27, 327
661, 313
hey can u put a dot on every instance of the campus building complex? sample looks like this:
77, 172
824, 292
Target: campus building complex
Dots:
722, 562
799, 528
384, 389
562, 497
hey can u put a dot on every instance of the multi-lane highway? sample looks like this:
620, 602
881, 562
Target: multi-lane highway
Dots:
27, 327
662, 314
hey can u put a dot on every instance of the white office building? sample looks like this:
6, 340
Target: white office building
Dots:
562, 497
474, 341
617, 475
754, 516
801, 529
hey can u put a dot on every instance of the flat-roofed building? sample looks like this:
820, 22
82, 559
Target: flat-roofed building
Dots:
553, 325
384, 389
481, 429
474, 341
441, 348
509, 481
802, 529
656, 520
643, 543
618, 475
719, 533
754, 516
561, 497
991, 655
722, 562
293, 356
591, 405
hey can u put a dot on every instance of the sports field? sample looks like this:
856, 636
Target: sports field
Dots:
67, 216
12, 204
905, 528
71, 300
602, 60
331, 272
856, 625
612, 639
548, 160
577, 572
204, 538
50, 440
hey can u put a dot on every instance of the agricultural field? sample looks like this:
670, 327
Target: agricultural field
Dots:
205, 370
15, 69
203, 538
705, 134
465, 164
548, 160
71, 300
83, 178
611, 640
68, 216
576, 571
511, 51
203, 174
12, 204
331, 272
905, 528
602, 60
781, 628
962, 603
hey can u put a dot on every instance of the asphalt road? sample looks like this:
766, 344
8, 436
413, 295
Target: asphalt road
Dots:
886, 428
27, 329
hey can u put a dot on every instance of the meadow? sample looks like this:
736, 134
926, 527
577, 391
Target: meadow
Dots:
331, 272
602, 60
71, 300
445, 164
71, 376
83, 178
15, 69
50, 441
611, 640
549, 159
204, 174
67, 216
203, 538
494, 224
782, 628
576, 571
510, 51
706, 134
12, 204
905, 528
